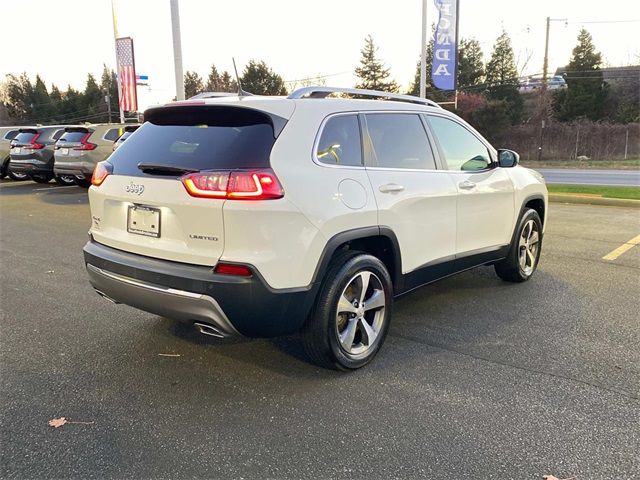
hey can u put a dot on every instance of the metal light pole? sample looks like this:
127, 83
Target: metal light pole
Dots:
115, 37
177, 49
423, 52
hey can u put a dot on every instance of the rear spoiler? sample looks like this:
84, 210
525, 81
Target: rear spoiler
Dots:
78, 129
28, 130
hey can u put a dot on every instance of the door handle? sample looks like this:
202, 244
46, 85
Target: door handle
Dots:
390, 188
467, 185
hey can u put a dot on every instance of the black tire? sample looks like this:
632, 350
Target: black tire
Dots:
4, 167
511, 269
66, 180
18, 177
42, 178
320, 333
83, 182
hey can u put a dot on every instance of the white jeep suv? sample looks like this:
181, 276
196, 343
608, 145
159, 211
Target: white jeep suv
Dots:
265, 216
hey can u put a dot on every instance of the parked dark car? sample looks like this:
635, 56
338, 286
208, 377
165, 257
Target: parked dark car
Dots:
32, 154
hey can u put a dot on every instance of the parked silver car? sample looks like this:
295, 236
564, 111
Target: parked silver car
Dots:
7, 134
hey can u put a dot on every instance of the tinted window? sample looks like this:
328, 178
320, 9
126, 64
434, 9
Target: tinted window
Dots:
24, 137
11, 134
199, 138
113, 134
340, 141
57, 135
400, 141
461, 148
124, 136
73, 137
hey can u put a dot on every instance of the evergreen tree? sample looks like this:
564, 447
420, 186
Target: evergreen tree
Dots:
502, 77
259, 79
227, 83
17, 96
470, 63
586, 93
192, 84
109, 86
372, 73
214, 81
40, 100
92, 101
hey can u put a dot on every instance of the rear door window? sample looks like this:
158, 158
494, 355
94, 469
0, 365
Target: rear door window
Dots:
113, 134
340, 142
400, 141
57, 134
198, 138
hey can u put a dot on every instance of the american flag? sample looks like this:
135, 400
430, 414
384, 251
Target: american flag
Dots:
126, 74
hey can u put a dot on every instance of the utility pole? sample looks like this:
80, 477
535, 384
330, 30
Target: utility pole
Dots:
177, 49
423, 52
543, 90
115, 37
107, 99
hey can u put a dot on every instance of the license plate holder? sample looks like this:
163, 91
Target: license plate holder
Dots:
143, 220
64, 151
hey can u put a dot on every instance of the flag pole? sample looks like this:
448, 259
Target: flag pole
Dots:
423, 52
115, 37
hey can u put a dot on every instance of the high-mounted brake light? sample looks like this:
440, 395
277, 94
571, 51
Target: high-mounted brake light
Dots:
233, 269
33, 145
234, 185
103, 170
84, 145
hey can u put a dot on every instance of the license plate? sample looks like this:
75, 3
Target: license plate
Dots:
16, 151
64, 151
143, 221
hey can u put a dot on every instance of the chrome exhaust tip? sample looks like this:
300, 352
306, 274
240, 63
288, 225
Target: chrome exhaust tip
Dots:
209, 330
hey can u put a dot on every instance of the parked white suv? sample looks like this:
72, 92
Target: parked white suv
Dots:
265, 216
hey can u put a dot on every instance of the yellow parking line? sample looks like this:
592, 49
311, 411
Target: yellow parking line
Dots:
622, 248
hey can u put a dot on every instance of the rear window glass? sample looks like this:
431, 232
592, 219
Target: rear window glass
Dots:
124, 136
199, 138
11, 134
24, 137
113, 134
57, 134
72, 137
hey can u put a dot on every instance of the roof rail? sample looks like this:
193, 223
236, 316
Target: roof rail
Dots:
323, 92
212, 95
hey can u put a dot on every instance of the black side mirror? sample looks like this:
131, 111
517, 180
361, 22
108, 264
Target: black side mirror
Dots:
507, 158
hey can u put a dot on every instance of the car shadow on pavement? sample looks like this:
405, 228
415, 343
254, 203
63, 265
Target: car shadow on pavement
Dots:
50, 193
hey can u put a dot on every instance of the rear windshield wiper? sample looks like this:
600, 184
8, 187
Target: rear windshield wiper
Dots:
160, 169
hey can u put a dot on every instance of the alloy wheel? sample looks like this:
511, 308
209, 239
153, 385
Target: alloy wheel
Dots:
528, 246
360, 313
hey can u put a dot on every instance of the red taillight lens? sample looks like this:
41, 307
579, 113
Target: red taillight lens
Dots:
233, 269
84, 145
236, 185
33, 145
102, 171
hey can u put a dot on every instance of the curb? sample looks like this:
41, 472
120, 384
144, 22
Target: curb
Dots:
592, 200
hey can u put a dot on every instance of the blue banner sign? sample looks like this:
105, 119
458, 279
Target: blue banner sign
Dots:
444, 64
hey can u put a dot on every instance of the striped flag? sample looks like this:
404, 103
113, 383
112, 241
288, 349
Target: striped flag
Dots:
126, 74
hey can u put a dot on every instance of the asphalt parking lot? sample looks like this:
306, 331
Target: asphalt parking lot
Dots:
479, 379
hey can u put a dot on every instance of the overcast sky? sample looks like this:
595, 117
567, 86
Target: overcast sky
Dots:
63, 40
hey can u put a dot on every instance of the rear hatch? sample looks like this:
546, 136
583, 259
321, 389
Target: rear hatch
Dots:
23, 143
144, 207
74, 144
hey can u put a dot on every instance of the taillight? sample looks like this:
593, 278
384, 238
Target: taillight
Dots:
234, 185
103, 170
84, 145
233, 269
33, 145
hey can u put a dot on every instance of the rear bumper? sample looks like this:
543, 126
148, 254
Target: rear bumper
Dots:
77, 169
191, 293
30, 166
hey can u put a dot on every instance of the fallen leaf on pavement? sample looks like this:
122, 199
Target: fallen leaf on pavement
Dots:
57, 422
553, 477
50, 271
169, 354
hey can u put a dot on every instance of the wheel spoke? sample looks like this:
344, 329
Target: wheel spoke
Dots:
530, 257
345, 305
368, 331
375, 301
364, 279
346, 337
534, 238
523, 257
